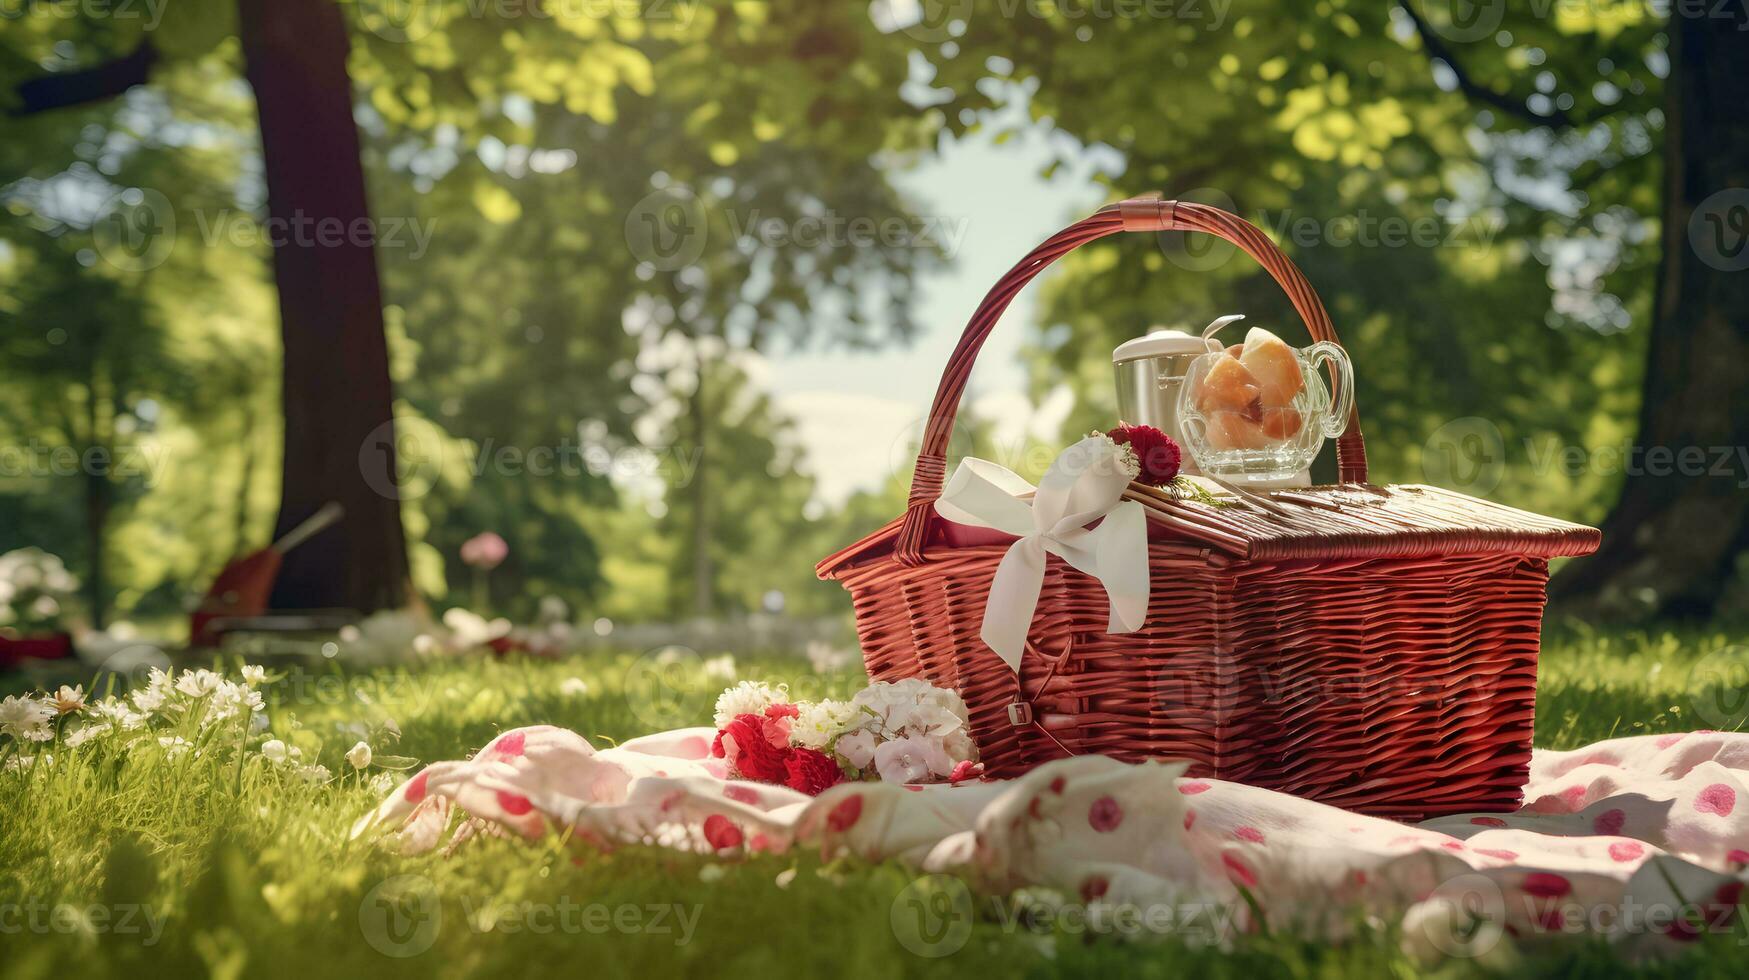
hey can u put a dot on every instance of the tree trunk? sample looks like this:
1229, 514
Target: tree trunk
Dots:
1671, 544
339, 428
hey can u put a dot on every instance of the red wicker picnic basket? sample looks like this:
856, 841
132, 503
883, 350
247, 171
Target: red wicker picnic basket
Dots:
1373, 647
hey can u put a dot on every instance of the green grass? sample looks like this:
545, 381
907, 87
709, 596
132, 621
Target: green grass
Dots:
246, 870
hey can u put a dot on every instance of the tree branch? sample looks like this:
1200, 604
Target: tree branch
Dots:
1437, 48
94, 84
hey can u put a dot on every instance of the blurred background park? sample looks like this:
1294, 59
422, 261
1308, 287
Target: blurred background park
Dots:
599, 313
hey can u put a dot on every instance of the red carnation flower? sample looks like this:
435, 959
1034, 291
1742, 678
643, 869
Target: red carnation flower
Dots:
1157, 452
753, 755
811, 772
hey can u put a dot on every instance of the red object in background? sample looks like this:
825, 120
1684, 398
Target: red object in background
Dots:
55, 646
243, 586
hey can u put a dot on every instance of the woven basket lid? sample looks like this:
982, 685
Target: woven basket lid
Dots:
1346, 521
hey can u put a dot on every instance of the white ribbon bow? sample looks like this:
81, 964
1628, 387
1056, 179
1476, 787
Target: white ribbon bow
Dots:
1084, 484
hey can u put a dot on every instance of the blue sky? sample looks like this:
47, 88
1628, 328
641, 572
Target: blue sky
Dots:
855, 411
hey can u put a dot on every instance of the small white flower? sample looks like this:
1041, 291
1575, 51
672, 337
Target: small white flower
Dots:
86, 733
358, 757
911, 760
174, 745
199, 683
314, 774
115, 711
153, 696
68, 699
748, 698
826, 658
382, 782
819, 722
274, 751
574, 687
254, 674
21, 762
26, 718
857, 748
720, 668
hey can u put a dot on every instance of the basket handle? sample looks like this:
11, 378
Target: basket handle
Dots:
1144, 214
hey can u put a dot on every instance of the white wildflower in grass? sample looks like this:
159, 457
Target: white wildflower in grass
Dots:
254, 675
19, 763
68, 699
274, 751
86, 733
115, 711
748, 698
230, 700
26, 718
314, 774
819, 722
826, 658
720, 668
574, 687
199, 683
149, 700
381, 783
174, 746
358, 757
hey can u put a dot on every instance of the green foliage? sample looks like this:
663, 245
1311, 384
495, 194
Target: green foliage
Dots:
1480, 255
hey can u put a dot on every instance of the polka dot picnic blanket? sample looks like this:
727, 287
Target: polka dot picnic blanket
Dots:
1643, 841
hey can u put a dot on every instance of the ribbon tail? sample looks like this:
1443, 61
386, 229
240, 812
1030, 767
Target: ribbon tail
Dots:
1121, 556
1013, 598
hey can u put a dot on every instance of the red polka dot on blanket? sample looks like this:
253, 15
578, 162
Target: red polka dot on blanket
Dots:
1251, 834
1716, 799
1105, 815
1609, 822
720, 832
1239, 871
415, 789
1543, 884
741, 794
513, 804
509, 746
1488, 821
845, 815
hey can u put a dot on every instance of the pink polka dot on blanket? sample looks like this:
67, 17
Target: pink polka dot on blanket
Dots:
741, 794
415, 788
1626, 850
1717, 799
1239, 871
1251, 834
1194, 787
845, 815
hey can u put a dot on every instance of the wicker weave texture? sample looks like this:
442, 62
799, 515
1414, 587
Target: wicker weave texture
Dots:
1399, 687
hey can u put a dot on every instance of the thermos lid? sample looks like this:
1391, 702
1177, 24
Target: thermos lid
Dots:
1158, 342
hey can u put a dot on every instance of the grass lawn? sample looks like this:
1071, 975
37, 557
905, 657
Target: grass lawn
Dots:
156, 860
